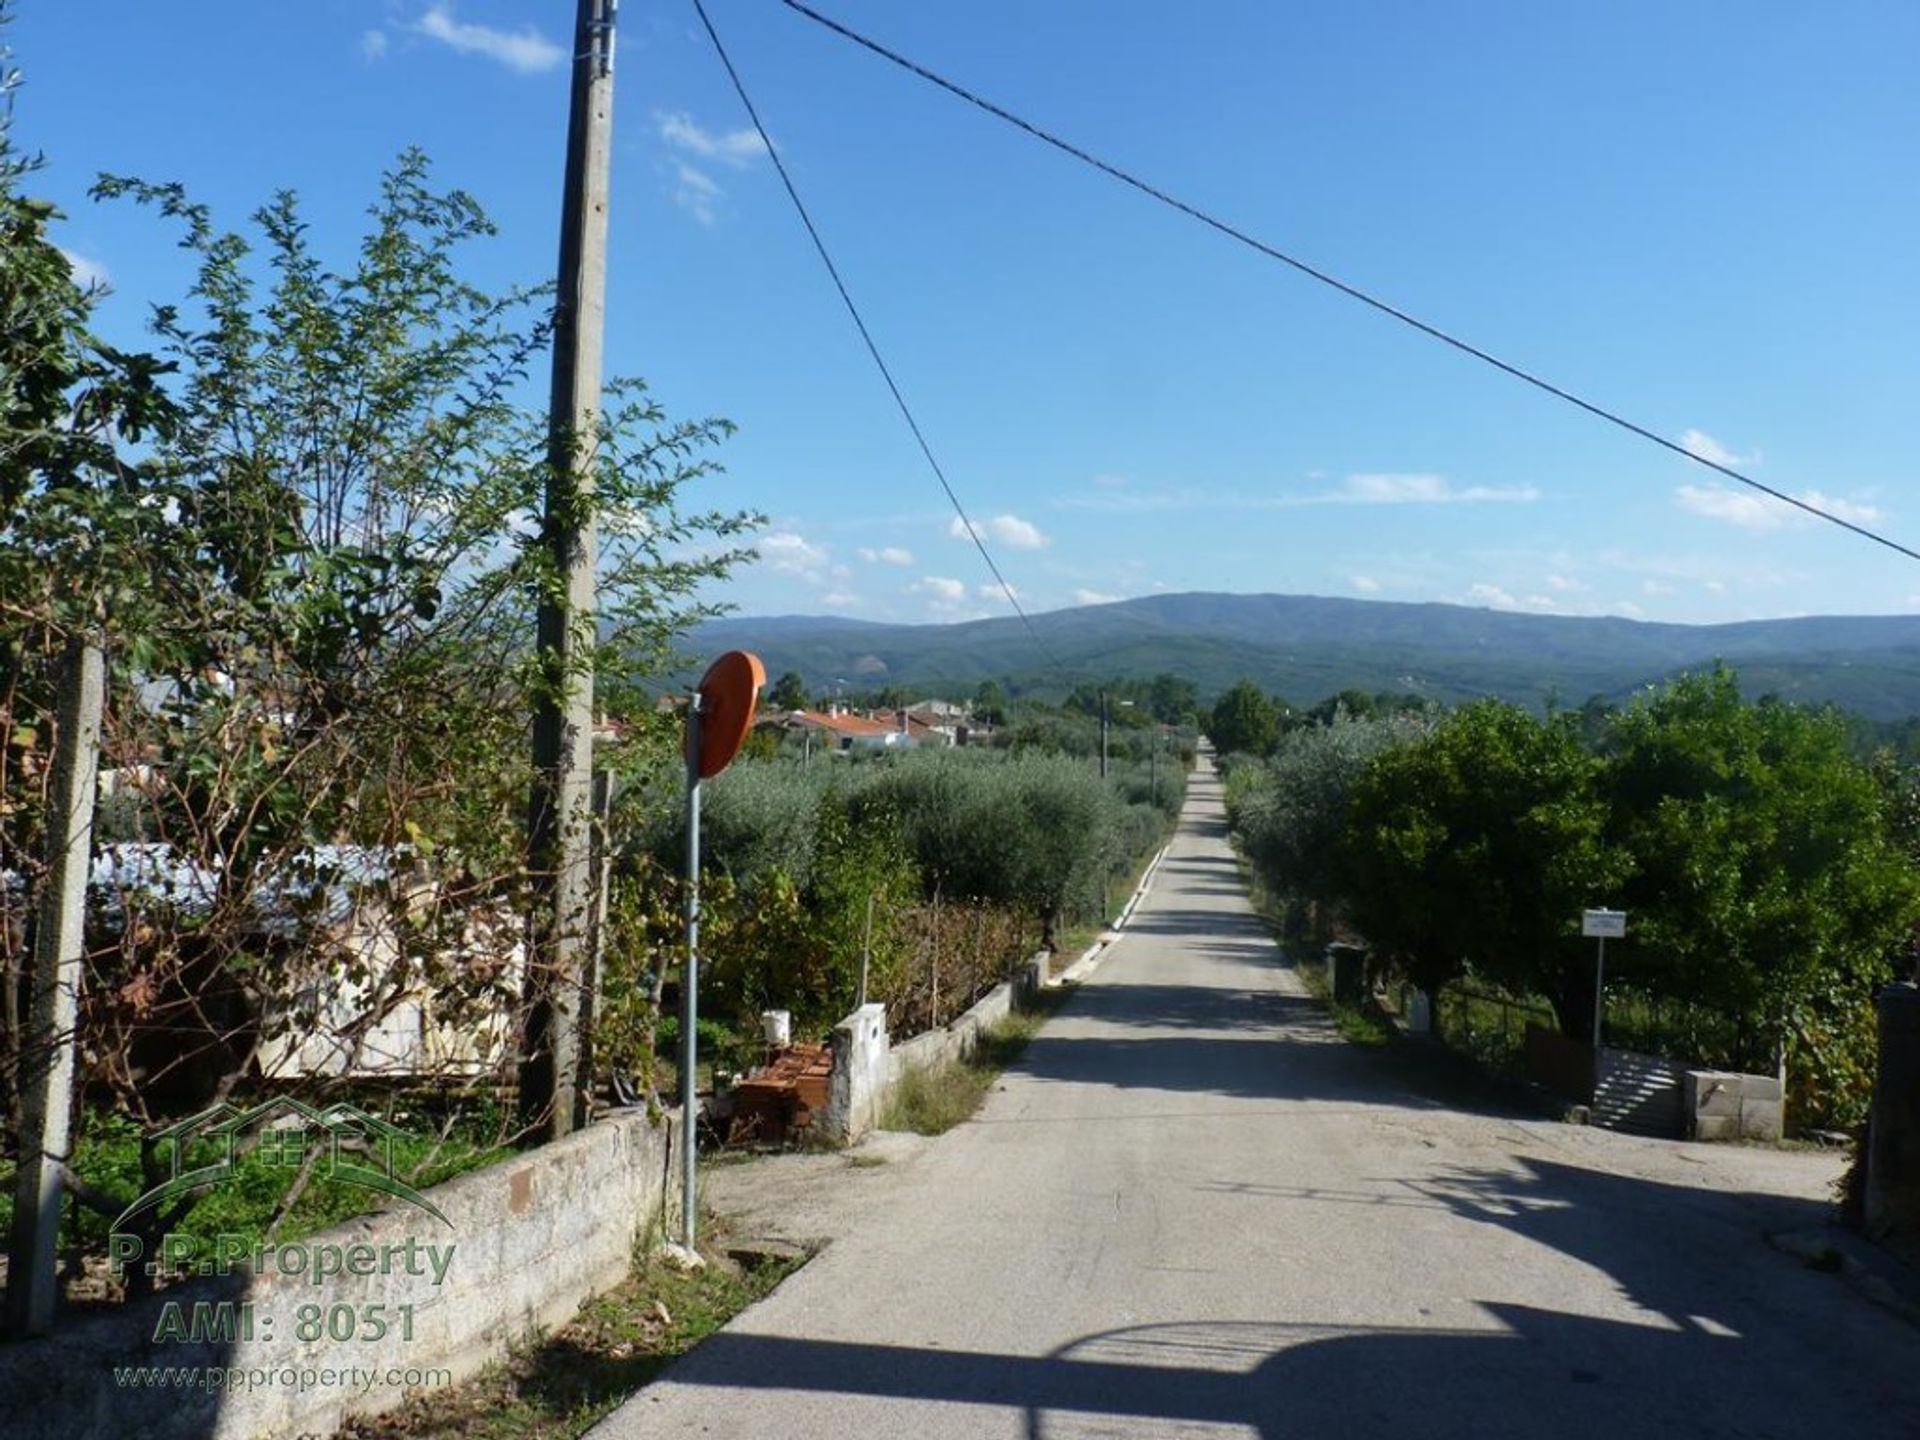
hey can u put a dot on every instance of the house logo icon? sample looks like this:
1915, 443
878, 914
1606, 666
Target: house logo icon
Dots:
357, 1150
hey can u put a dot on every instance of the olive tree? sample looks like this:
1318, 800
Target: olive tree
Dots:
1244, 719
1290, 811
1766, 880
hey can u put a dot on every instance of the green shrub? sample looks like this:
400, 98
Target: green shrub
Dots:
944, 867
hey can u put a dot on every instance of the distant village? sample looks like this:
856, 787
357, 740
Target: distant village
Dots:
841, 728
844, 728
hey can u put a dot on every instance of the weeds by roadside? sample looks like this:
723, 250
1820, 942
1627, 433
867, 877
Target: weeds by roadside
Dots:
1360, 1027
1357, 1026
932, 1102
1074, 940
559, 1387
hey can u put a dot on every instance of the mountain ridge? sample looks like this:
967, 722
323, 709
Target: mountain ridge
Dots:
1307, 646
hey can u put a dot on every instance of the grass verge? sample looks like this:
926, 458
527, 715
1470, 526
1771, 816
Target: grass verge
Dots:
559, 1387
1359, 1026
1074, 941
932, 1102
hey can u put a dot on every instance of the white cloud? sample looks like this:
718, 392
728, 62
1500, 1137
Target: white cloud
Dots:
1497, 598
1484, 594
1703, 446
86, 273
993, 594
373, 44
1655, 587
1365, 584
1565, 584
1094, 597
1108, 500
1111, 482
1718, 587
1858, 511
1552, 600
1008, 530
1734, 507
695, 192
941, 589
1369, 488
949, 599
839, 600
738, 148
1751, 510
1397, 489
1391, 489
885, 555
786, 553
524, 50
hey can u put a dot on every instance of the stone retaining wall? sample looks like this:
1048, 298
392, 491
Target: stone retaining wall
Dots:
530, 1238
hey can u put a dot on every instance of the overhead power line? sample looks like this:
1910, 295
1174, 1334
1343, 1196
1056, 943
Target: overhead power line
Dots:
1313, 272
866, 335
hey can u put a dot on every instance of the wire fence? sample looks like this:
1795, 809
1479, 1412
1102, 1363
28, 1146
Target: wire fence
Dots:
1489, 1026
1696, 1034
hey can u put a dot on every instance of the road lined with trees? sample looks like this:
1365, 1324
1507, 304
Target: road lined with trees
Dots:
1770, 874
1191, 1208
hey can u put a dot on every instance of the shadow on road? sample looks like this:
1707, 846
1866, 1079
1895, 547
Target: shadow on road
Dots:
1228, 1031
1711, 1353
1703, 1331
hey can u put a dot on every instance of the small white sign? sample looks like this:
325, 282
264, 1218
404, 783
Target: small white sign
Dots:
1603, 924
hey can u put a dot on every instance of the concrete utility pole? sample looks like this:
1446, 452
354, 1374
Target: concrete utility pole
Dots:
601, 851
559, 841
47, 1062
690, 999
1103, 734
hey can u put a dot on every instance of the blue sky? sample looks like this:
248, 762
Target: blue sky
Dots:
1701, 214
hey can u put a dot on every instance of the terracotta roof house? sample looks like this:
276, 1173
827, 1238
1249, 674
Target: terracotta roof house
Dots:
842, 730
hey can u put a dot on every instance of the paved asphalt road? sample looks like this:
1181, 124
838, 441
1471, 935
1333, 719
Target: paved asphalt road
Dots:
1194, 1211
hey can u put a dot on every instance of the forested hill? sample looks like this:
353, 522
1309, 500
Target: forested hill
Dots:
1305, 647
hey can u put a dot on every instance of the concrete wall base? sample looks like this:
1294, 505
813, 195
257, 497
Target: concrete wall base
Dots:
867, 1065
1723, 1105
857, 1089
529, 1239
